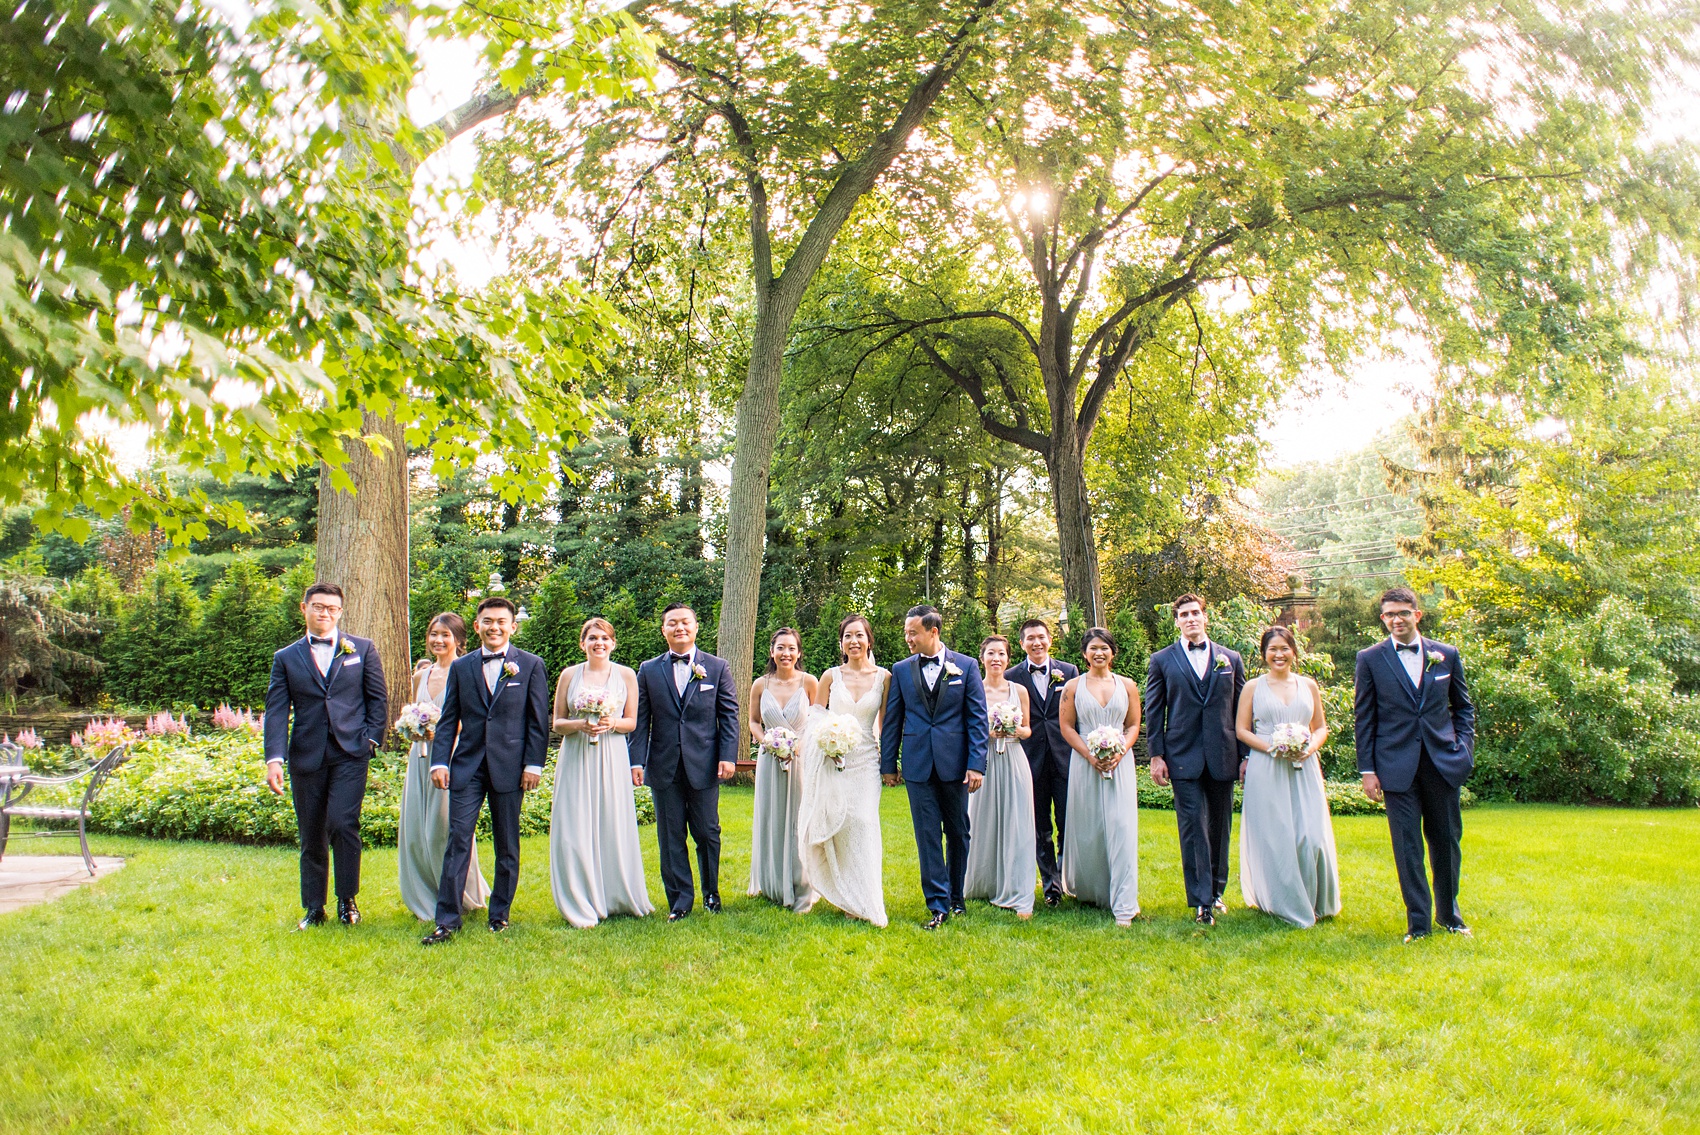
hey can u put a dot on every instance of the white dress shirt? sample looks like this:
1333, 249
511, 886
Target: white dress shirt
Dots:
1412, 661
493, 670
932, 665
323, 652
1199, 658
682, 670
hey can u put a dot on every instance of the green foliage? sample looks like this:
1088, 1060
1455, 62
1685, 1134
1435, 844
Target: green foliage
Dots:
552, 632
153, 655
1584, 712
969, 629
240, 631
1133, 648
432, 596
35, 626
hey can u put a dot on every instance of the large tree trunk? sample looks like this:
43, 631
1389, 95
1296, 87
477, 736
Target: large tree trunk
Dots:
1073, 507
362, 547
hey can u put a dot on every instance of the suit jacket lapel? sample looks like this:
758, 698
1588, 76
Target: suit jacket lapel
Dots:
313, 667
338, 658
929, 698
1424, 682
1210, 657
1200, 686
1397, 669
690, 685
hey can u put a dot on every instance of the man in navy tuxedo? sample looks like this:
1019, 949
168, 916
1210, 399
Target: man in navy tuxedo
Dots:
1047, 753
936, 727
1192, 692
333, 685
1416, 735
685, 743
490, 744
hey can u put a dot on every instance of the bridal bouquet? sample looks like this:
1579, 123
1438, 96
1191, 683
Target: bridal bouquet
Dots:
838, 734
1290, 742
417, 720
1104, 742
593, 706
1005, 718
780, 743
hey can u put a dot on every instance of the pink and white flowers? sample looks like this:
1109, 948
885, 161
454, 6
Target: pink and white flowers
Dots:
510, 670
780, 743
416, 721
1105, 742
226, 718
1004, 718
103, 733
1290, 742
164, 725
593, 706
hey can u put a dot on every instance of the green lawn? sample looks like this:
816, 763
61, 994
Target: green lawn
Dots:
172, 997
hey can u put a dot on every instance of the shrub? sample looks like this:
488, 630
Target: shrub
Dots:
153, 655
240, 631
556, 619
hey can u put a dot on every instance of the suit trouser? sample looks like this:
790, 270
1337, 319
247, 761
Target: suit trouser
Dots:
1204, 812
327, 816
681, 809
1429, 810
464, 803
1050, 795
937, 806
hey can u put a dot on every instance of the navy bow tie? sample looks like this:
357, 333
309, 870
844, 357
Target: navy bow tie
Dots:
488, 658
315, 640
1412, 647
1198, 646
678, 658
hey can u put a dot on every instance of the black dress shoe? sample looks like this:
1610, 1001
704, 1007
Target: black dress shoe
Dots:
937, 920
437, 936
958, 910
1204, 917
347, 913
1460, 929
1219, 906
676, 915
314, 917
711, 903
497, 925
1053, 898
1415, 935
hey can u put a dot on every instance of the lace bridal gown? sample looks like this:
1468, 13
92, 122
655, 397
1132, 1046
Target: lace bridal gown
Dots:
838, 819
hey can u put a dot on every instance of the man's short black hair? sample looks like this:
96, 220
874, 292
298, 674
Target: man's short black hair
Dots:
677, 606
929, 616
497, 601
1040, 623
1400, 595
321, 589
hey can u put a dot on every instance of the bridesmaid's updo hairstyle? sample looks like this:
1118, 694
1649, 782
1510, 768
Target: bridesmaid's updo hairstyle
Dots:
989, 639
867, 627
452, 623
772, 666
1277, 632
596, 623
1101, 635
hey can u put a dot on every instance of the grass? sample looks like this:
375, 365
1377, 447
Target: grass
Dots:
171, 997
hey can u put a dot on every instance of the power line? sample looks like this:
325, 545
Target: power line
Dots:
1335, 504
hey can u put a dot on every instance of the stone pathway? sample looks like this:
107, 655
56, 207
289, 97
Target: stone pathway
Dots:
29, 879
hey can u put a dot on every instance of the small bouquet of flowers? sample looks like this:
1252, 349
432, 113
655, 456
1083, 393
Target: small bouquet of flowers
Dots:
593, 706
1005, 719
1290, 742
417, 720
838, 734
1105, 742
780, 743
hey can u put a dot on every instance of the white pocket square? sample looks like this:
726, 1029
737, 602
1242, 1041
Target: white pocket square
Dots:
353, 660
705, 687
956, 681
1443, 677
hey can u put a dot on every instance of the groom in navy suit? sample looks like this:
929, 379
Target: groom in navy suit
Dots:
490, 744
1416, 735
1192, 692
334, 684
1047, 753
935, 716
685, 743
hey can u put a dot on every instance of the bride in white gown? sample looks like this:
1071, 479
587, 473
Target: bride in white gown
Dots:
838, 818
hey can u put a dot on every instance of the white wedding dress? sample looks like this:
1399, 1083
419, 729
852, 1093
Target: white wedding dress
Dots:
838, 818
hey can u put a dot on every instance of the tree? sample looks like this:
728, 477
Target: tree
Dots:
152, 658
777, 120
1217, 192
34, 627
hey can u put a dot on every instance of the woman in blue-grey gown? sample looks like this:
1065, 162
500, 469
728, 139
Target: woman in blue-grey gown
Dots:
1287, 859
423, 831
1100, 862
595, 862
780, 698
1003, 855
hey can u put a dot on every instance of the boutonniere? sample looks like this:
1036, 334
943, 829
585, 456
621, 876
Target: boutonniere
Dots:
697, 671
952, 669
1221, 662
509, 670
1435, 658
1058, 677
348, 647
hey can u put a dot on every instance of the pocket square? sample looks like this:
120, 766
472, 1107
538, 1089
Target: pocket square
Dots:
705, 687
956, 681
1443, 677
353, 660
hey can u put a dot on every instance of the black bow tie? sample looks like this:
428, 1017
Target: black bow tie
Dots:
1413, 647
315, 640
1198, 646
678, 658
488, 657
925, 662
